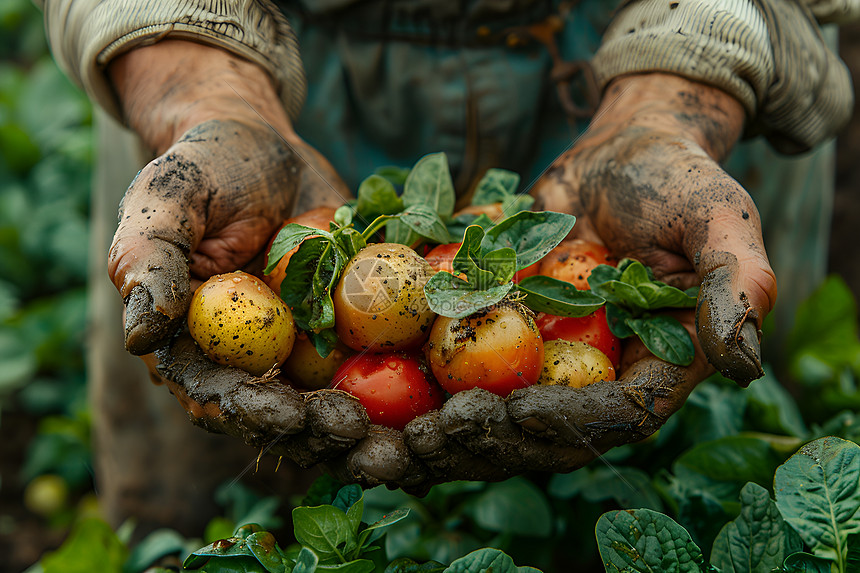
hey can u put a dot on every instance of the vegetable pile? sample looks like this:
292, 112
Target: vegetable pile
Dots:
399, 301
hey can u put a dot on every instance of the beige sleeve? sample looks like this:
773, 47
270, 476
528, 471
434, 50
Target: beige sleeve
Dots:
86, 34
769, 54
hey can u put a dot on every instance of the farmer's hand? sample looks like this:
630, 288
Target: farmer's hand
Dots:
230, 171
644, 180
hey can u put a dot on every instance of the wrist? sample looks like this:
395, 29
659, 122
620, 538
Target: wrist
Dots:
169, 87
697, 112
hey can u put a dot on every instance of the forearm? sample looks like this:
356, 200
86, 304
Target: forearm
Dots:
167, 88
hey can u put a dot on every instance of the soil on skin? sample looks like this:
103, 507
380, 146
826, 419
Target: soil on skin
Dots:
24, 537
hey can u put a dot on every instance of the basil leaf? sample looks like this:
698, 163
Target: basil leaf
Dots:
661, 295
517, 203
616, 318
324, 341
646, 540
621, 293
495, 186
560, 298
457, 226
324, 281
429, 183
602, 274
377, 196
665, 337
297, 286
287, 239
531, 234
634, 274
306, 561
343, 215
502, 263
467, 257
352, 241
323, 529
453, 297
424, 221
802, 562
397, 175
397, 232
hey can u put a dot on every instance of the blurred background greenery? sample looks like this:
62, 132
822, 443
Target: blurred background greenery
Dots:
45, 159
45, 472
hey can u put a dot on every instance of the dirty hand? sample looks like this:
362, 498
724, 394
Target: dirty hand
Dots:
644, 180
230, 170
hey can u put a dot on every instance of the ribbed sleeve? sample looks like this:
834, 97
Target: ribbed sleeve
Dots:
86, 34
769, 54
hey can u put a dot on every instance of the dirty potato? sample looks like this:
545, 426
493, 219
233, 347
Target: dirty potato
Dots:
239, 321
379, 302
574, 364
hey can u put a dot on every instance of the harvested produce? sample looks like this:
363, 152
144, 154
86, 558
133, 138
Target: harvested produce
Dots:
239, 321
379, 302
394, 387
574, 364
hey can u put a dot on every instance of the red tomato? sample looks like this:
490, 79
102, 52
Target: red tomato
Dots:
572, 261
498, 349
393, 387
441, 258
591, 329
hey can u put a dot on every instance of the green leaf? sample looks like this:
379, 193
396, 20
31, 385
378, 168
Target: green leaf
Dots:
297, 286
553, 296
458, 225
602, 274
343, 215
430, 184
645, 540
496, 186
263, 546
91, 546
323, 284
818, 493
396, 231
758, 540
389, 519
502, 263
852, 563
306, 561
453, 297
516, 204
659, 295
616, 318
487, 560
621, 294
324, 341
424, 221
325, 529
287, 239
407, 565
232, 564
531, 234
634, 274
772, 408
665, 337
356, 566
467, 259
377, 196
397, 175
353, 241
515, 506
158, 544
347, 496
806, 563
732, 460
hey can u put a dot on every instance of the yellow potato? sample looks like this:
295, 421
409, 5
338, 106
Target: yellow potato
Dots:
379, 302
575, 364
239, 321
306, 368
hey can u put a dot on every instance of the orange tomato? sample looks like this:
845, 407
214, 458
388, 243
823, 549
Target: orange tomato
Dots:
573, 260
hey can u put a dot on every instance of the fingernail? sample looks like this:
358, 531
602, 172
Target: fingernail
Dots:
146, 329
749, 344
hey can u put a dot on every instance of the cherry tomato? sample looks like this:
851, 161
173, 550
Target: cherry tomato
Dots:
441, 258
498, 349
592, 329
573, 260
393, 387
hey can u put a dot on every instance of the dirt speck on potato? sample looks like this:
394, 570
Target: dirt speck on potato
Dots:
239, 321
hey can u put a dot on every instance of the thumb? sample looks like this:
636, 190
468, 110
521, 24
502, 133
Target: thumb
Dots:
738, 285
